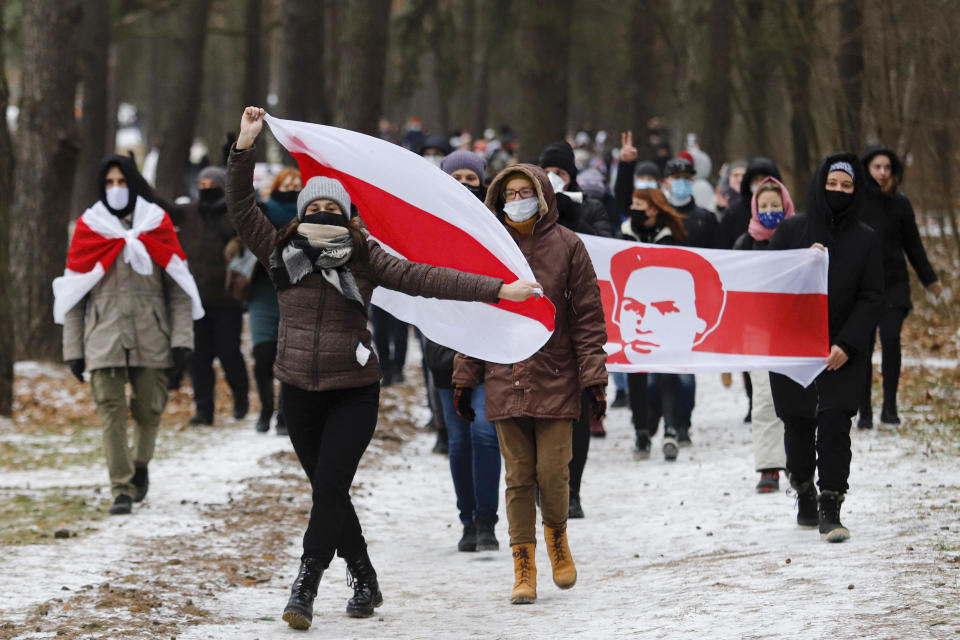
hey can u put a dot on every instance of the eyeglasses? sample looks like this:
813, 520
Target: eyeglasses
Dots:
526, 192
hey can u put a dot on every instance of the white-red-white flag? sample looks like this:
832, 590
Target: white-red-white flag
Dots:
418, 212
682, 310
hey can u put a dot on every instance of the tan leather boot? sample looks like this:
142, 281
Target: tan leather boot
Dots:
525, 574
564, 571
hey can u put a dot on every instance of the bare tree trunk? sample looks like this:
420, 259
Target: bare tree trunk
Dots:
253, 63
364, 56
46, 161
489, 34
183, 68
756, 67
716, 90
303, 94
799, 62
94, 77
850, 70
642, 68
6, 283
542, 80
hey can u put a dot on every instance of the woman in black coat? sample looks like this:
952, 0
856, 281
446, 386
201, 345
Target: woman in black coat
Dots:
889, 213
817, 418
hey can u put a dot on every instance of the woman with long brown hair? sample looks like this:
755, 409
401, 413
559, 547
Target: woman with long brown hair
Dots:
652, 220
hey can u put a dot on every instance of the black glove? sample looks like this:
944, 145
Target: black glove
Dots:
462, 400
76, 368
181, 356
599, 393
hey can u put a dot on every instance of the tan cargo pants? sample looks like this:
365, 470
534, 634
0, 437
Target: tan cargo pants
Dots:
536, 452
148, 398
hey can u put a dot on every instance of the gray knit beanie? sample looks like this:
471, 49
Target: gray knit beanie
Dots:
217, 174
464, 159
321, 187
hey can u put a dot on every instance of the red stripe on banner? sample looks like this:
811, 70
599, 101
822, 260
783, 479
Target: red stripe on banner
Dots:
423, 237
760, 324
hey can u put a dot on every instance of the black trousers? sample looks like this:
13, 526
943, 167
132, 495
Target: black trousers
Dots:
817, 423
264, 355
648, 404
330, 430
217, 335
889, 327
390, 338
581, 442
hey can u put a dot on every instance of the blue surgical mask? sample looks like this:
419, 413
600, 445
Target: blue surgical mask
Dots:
681, 189
645, 183
771, 219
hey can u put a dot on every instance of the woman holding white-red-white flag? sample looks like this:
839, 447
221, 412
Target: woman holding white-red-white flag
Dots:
817, 418
534, 402
325, 268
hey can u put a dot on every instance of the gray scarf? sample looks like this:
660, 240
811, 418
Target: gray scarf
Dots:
317, 248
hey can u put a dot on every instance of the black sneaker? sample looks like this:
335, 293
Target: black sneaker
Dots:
807, 504
263, 423
240, 409
281, 426
619, 400
831, 529
201, 420
865, 422
641, 445
141, 482
576, 510
468, 541
889, 417
122, 505
683, 437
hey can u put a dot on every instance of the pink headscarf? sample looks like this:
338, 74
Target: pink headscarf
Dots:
756, 229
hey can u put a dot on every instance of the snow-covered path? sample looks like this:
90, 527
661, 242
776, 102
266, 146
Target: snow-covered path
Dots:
681, 550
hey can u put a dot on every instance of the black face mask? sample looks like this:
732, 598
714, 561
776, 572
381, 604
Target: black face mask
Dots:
325, 217
838, 201
478, 191
285, 197
211, 196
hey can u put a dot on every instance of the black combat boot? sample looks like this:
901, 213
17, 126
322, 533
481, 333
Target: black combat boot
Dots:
486, 537
141, 482
366, 590
468, 541
831, 529
299, 610
807, 516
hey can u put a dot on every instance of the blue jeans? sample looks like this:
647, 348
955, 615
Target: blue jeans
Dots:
620, 380
474, 457
686, 393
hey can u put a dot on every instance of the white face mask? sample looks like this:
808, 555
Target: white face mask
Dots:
118, 197
435, 160
645, 183
556, 181
521, 210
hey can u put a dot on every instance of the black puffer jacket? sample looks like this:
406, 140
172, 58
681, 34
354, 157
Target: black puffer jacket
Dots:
854, 279
737, 218
701, 225
204, 233
892, 217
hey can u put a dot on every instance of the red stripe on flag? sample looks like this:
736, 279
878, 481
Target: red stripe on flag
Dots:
162, 242
87, 248
761, 324
423, 237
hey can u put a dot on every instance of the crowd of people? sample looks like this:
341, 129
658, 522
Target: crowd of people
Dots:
299, 260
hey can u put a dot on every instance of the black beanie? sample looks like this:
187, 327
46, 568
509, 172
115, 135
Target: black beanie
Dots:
559, 154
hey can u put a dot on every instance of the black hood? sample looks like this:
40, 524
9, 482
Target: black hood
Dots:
135, 183
757, 166
875, 150
823, 222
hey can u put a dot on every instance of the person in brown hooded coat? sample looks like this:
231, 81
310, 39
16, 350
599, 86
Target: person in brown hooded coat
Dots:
534, 402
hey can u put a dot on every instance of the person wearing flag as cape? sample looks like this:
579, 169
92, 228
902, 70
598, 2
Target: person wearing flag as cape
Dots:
325, 266
127, 303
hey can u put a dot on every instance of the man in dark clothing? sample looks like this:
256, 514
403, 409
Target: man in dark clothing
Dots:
817, 418
737, 217
586, 216
701, 225
205, 230
890, 214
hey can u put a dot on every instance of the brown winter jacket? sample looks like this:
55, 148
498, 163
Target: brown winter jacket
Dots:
320, 330
547, 384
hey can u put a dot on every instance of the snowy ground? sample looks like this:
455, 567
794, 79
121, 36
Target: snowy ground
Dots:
667, 550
